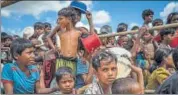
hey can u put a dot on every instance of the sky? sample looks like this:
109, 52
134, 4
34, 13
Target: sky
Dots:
23, 14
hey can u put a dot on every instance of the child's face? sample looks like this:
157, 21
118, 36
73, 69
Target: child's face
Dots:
149, 18
168, 37
48, 29
8, 42
27, 57
66, 84
111, 40
39, 31
63, 21
147, 36
174, 19
107, 72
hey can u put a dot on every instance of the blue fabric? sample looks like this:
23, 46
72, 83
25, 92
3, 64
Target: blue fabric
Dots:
82, 68
140, 61
22, 84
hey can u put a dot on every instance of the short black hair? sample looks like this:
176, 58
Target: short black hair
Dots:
63, 71
175, 57
160, 54
19, 45
166, 32
46, 24
147, 12
106, 28
135, 28
169, 18
69, 12
157, 21
38, 25
123, 86
103, 54
121, 26
8, 37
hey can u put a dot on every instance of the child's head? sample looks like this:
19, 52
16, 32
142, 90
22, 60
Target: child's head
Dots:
122, 27
175, 58
67, 16
167, 34
126, 86
7, 40
38, 28
135, 28
106, 29
105, 65
157, 22
163, 56
147, 36
172, 18
147, 15
65, 80
45, 41
47, 27
22, 51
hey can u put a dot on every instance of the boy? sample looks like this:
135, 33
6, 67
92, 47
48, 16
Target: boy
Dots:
65, 80
166, 37
68, 36
105, 66
147, 16
21, 77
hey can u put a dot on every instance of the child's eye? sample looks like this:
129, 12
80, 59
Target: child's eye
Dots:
105, 70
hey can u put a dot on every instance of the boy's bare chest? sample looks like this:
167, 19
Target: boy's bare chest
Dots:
69, 35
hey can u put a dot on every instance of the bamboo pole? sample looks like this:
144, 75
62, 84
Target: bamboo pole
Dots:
6, 3
136, 31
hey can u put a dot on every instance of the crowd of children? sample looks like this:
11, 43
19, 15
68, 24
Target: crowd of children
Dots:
46, 61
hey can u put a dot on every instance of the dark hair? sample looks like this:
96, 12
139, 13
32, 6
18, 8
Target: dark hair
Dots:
103, 55
166, 32
106, 29
63, 71
160, 54
38, 25
19, 45
69, 12
175, 57
135, 28
169, 18
121, 26
8, 37
147, 12
157, 21
123, 86
46, 24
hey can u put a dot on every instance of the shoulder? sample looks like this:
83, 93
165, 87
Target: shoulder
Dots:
9, 66
162, 71
92, 89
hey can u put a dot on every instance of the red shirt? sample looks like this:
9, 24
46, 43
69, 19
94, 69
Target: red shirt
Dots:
157, 38
174, 42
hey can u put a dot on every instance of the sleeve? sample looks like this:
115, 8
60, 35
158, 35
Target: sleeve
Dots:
162, 76
7, 74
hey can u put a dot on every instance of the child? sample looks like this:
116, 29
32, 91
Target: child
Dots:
157, 22
147, 16
68, 36
166, 37
173, 18
65, 80
21, 77
163, 61
105, 66
170, 85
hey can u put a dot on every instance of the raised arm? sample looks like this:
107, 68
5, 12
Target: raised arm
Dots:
90, 21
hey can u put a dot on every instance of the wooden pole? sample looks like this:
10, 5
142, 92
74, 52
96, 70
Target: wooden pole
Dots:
136, 31
6, 3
